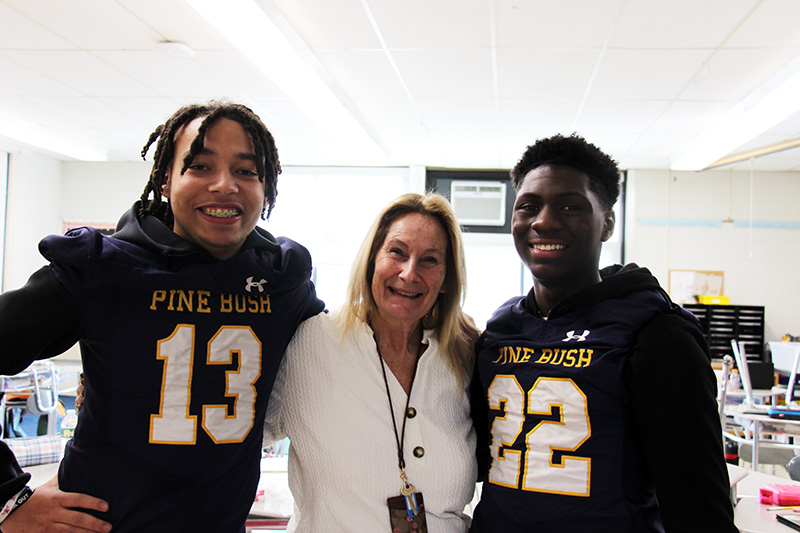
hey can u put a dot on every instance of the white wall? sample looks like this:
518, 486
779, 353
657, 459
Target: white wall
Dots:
674, 221
34, 196
101, 192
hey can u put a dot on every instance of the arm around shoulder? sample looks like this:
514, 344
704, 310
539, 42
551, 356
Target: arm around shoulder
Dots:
673, 398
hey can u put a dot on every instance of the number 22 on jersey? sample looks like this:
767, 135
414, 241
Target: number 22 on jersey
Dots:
173, 424
541, 473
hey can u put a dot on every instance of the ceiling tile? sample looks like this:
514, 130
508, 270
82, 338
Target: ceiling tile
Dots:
621, 116
339, 25
19, 79
544, 24
535, 118
646, 74
686, 118
90, 24
446, 74
678, 23
81, 71
541, 74
175, 20
203, 77
445, 25
20, 32
732, 74
772, 25
363, 73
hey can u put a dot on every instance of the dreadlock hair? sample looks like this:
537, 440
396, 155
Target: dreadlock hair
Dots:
574, 152
267, 164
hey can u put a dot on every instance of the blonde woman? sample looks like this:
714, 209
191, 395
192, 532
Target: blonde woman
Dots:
374, 397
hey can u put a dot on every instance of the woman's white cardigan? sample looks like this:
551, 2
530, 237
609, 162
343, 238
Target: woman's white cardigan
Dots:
330, 400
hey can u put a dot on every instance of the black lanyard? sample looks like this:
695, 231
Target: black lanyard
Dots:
399, 438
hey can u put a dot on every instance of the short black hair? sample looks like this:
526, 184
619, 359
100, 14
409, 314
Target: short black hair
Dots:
267, 164
574, 152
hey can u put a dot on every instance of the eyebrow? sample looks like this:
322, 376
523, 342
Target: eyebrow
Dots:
565, 194
389, 242
247, 156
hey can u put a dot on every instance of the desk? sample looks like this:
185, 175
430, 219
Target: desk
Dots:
761, 423
750, 516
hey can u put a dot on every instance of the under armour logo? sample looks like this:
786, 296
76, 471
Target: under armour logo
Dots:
251, 284
579, 338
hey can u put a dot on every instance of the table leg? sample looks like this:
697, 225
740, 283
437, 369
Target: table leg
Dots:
756, 438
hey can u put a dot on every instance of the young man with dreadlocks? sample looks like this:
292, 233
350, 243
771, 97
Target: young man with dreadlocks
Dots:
182, 316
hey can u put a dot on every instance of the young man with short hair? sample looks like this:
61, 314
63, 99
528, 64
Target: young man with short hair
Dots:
594, 398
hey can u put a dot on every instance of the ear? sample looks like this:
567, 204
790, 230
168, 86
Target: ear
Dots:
609, 221
165, 186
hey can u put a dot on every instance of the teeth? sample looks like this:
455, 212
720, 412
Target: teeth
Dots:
407, 294
220, 212
548, 247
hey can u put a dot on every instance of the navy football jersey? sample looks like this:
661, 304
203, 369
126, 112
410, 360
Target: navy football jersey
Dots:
563, 453
179, 359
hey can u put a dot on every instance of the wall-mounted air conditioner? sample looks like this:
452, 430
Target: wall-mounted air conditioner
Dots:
479, 203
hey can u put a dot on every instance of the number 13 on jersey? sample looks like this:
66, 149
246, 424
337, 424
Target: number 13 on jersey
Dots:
571, 474
173, 424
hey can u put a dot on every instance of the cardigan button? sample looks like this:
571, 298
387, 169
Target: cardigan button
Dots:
419, 451
411, 412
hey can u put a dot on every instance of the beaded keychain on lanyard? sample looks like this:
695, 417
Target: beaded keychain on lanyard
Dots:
408, 490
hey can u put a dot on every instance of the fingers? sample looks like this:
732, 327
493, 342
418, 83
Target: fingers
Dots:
84, 522
82, 501
51, 510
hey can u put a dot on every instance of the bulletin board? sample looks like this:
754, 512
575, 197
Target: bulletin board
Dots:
684, 285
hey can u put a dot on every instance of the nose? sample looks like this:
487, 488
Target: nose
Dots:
409, 270
547, 219
223, 182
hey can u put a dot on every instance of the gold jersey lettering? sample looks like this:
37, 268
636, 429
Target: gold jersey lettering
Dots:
513, 354
547, 354
240, 303
225, 303
186, 298
171, 306
559, 357
202, 302
158, 296
192, 301
584, 358
230, 303
569, 358
264, 304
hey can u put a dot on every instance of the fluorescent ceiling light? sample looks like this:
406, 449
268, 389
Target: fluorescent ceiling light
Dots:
32, 134
767, 106
245, 24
